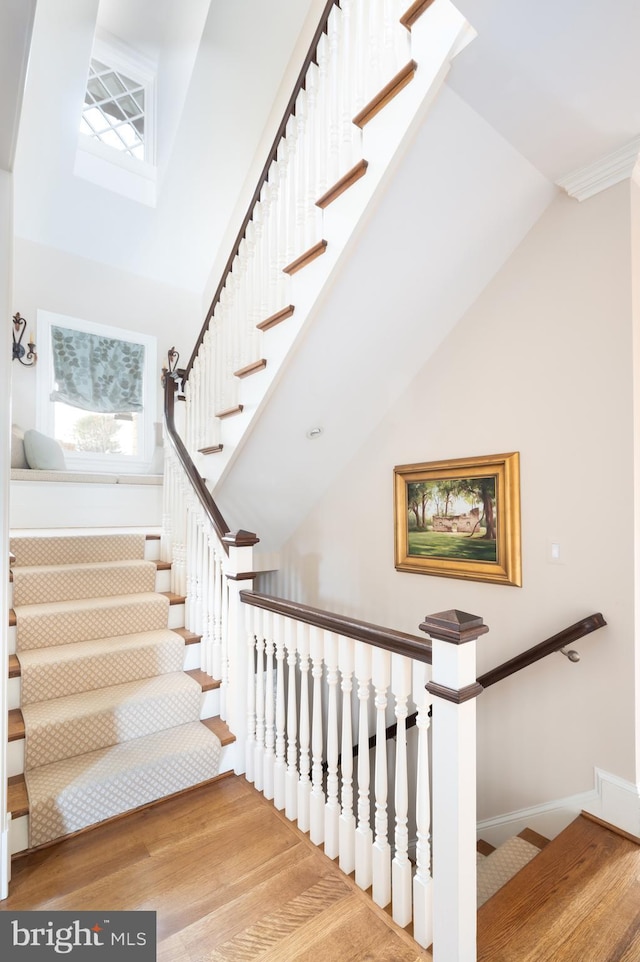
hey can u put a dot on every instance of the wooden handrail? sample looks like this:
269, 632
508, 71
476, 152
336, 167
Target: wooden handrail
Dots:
396, 641
411, 646
565, 637
225, 536
264, 176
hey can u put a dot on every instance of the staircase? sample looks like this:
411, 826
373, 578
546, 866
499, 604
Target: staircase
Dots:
497, 866
103, 718
575, 899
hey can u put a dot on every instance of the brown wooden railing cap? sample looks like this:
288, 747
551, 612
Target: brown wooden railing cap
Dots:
456, 627
240, 539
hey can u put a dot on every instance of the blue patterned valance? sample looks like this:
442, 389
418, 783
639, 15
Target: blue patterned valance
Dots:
97, 373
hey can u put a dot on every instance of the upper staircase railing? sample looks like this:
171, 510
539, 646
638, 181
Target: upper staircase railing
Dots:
362, 55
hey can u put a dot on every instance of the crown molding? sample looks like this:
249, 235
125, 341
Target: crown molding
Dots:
605, 172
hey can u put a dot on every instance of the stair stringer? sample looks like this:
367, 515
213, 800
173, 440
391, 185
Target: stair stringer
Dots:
436, 39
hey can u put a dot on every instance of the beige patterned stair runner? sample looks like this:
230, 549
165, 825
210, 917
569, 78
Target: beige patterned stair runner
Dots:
111, 719
67, 669
496, 869
80, 791
42, 583
76, 549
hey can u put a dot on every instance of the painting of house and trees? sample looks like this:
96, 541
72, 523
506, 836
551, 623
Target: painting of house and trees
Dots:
453, 518
460, 518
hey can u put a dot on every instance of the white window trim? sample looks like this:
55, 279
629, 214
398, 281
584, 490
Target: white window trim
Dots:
106, 166
84, 460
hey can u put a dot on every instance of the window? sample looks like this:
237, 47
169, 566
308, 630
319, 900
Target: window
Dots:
114, 110
97, 392
116, 143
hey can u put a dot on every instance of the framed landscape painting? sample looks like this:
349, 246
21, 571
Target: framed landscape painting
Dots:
460, 518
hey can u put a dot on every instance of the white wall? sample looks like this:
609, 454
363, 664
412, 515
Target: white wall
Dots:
51, 280
6, 221
540, 364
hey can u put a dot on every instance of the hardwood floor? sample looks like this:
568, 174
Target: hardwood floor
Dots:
578, 901
230, 878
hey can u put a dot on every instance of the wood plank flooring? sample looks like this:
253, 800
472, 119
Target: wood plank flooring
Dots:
230, 878
578, 901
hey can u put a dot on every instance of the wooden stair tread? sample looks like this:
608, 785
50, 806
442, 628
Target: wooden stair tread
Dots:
577, 899
533, 838
414, 12
350, 178
388, 92
206, 682
190, 637
306, 258
14, 667
17, 798
16, 725
276, 318
174, 599
219, 728
249, 369
229, 412
484, 848
212, 449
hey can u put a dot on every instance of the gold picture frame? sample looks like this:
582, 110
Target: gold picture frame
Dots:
460, 518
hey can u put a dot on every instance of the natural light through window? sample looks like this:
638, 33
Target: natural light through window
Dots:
114, 110
97, 392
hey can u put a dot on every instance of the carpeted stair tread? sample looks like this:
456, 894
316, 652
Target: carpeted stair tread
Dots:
67, 669
76, 549
86, 722
73, 793
41, 584
496, 869
65, 622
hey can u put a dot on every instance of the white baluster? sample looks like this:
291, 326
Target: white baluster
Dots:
316, 831
401, 866
269, 713
224, 634
250, 750
286, 229
347, 826
364, 837
320, 136
216, 608
422, 881
381, 849
304, 785
332, 806
291, 780
258, 778
333, 112
280, 766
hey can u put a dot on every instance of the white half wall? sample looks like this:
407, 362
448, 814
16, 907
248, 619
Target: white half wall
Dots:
540, 364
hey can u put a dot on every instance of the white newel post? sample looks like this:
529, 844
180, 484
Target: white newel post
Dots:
238, 569
454, 689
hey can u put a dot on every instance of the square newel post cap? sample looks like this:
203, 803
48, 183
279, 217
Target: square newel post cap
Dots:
456, 627
240, 539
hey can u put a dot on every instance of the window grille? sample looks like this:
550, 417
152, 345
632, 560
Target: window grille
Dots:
114, 110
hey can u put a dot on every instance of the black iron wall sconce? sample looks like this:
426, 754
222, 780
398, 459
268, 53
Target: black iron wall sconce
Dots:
20, 352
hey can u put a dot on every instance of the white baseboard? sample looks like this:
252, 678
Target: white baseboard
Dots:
612, 799
617, 802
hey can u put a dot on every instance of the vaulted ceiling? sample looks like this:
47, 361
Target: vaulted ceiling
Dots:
544, 89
